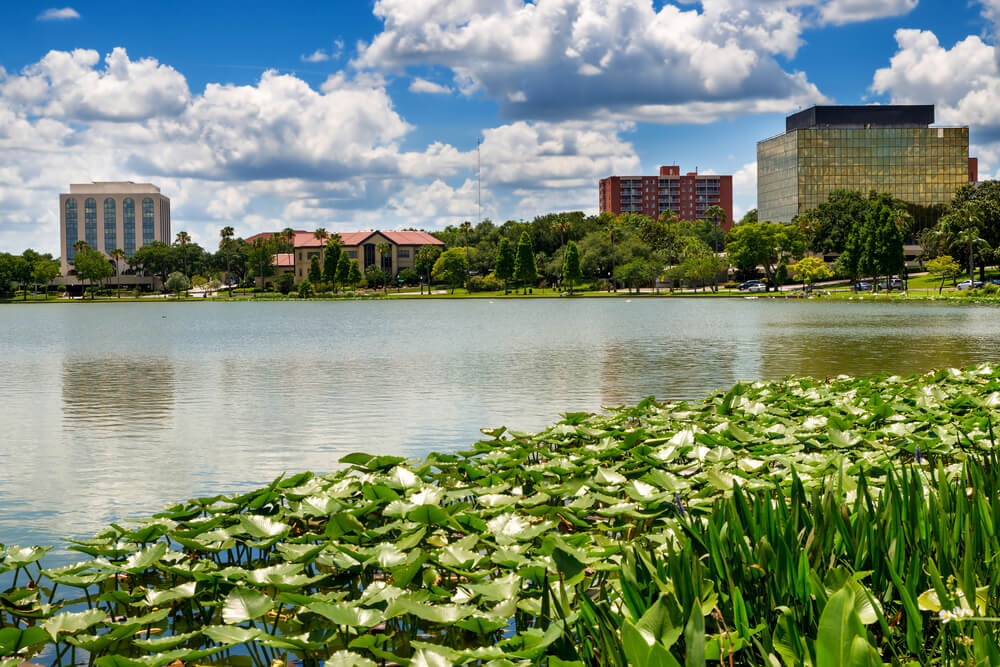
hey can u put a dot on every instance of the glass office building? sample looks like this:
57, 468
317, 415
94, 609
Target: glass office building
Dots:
885, 148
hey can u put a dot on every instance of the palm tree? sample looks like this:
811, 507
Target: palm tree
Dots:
385, 250
117, 255
227, 234
560, 228
183, 239
321, 234
961, 228
288, 236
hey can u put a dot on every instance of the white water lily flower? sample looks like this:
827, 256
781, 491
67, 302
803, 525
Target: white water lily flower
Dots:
957, 614
429, 495
405, 478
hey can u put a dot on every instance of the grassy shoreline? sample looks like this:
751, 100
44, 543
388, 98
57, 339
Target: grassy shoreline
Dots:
780, 522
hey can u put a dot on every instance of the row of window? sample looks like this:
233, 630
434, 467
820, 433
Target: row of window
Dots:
110, 226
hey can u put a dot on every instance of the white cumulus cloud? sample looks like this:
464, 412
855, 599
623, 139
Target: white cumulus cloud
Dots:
63, 14
419, 85
839, 12
621, 59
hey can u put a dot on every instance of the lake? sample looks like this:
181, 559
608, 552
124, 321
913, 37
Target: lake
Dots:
111, 411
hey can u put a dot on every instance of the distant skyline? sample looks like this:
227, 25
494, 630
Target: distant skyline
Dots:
354, 116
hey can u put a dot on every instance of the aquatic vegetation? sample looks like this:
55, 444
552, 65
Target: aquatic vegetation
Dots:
823, 522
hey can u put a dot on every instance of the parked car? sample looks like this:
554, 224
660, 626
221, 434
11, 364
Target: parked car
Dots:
748, 284
894, 283
969, 284
995, 281
863, 287
759, 287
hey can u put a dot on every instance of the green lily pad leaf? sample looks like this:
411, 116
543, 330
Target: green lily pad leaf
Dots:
70, 622
244, 604
231, 634
12, 640
142, 560
20, 556
348, 659
261, 527
155, 598
165, 643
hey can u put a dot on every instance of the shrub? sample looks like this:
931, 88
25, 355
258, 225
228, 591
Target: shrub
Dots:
488, 283
305, 290
284, 283
991, 289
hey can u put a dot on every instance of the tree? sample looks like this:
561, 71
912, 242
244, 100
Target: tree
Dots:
451, 267
200, 282
525, 270
827, 227
92, 266
177, 282
374, 276
354, 274
504, 267
315, 273
343, 274
384, 253
20, 269
424, 262
43, 272
610, 223
571, 265
810, 269
717, 215
321, 234
944, 266
227, 234
748, 217
117, 255
182, 240
331, 260
408, 276
881, 243
961, 229
306, 289
764, 243
261, 257
285, 282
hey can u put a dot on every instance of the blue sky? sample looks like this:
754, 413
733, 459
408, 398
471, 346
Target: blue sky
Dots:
364, 115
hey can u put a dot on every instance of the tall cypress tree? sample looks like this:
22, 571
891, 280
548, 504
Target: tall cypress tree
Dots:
344, 268
505, 262
525, 269
315, 273
331, 258
571, 265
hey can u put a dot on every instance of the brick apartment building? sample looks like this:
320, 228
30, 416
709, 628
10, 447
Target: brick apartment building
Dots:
688, 195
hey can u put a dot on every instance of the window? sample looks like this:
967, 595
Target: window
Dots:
90, 222
128, 225
147, 221
110, 232
352, 254
71, 232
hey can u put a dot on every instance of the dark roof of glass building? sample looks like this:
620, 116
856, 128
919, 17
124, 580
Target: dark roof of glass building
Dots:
869, 116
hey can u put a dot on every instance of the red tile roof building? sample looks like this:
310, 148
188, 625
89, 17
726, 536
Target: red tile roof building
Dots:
688, 195
361, 246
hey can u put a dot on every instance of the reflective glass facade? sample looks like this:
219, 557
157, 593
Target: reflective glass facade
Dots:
71, 232
90, 222
110, 237
128, 225
915, 164
147, 221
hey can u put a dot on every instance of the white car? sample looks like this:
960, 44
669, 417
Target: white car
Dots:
969, 284
759, 287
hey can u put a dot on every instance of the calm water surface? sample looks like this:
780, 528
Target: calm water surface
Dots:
110, 411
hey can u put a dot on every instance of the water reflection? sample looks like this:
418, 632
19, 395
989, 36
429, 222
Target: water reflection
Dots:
118, 397
120, 409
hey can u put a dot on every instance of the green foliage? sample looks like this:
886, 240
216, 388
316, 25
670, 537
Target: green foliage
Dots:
781, 274
488, 283
353, 274
344, 271
810, 269
763, 243
451, 267
525, 270
91, 265
284, 282
819, 522
505, 261
571, 265
333, 254
306, 289
177, 282
425, 259
315, 272
408, 276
